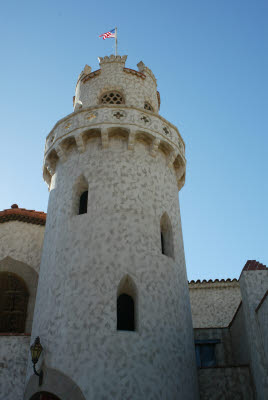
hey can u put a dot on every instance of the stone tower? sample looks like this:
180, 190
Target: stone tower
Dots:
112, 308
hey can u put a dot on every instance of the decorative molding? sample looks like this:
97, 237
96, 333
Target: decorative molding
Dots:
80, 144
154, 147
104, 138
108, 118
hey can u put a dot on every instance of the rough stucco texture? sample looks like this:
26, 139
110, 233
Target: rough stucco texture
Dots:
225, 384
263, 323
253, 287
22, 241
239, 338
14, 352
84, 259
214, 305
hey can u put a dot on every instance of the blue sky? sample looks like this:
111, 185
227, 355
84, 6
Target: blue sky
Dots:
210, 60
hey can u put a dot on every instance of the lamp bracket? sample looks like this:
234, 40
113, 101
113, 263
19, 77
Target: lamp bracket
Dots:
40, 374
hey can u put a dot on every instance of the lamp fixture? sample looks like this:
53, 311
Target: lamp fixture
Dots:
36, 350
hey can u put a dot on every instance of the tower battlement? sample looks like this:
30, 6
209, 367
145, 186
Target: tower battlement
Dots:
137, 88
113, 102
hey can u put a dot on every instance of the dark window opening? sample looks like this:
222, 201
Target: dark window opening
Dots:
205, 353
125, 313
44, 396
166, 236
13, 303
162, 243
83, 203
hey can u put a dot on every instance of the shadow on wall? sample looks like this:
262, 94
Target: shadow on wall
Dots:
56, 386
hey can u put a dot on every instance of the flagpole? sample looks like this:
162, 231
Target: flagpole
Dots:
116, 41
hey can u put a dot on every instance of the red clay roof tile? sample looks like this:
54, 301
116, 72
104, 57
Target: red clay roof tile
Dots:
21, 214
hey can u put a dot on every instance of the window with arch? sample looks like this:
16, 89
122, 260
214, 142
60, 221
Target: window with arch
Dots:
147, 106
126, 305
80, 196
13, 303
166, 236
112, 97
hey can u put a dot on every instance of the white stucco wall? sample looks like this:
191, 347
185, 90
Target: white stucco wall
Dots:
262, 316
20, 253
14, 352
213, 304
86, 256
225, 383
239, 338
253, 287
22, 241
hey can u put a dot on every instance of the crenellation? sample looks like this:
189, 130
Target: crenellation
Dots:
112, 59
146, 71
136, 86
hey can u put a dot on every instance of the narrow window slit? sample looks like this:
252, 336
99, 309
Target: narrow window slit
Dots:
166, 236
125, 313
83, 203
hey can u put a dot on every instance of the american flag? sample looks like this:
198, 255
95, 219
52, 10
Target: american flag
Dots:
109, 34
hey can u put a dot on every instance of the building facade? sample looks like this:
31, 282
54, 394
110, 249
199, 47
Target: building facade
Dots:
101, 279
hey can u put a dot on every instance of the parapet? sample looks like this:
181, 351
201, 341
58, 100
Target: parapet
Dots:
137, 88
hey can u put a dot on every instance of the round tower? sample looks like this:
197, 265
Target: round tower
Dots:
112, 309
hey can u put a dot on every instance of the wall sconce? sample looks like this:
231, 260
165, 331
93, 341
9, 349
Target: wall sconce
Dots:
36, 350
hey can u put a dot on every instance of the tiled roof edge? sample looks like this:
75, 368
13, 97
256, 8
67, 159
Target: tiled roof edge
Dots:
228, 280
253, 265
23, 215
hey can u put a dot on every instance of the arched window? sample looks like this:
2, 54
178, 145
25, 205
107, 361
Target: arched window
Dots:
126, 305
80, 196
83, 203
166, 236
13, 303
125, 313
112, 97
